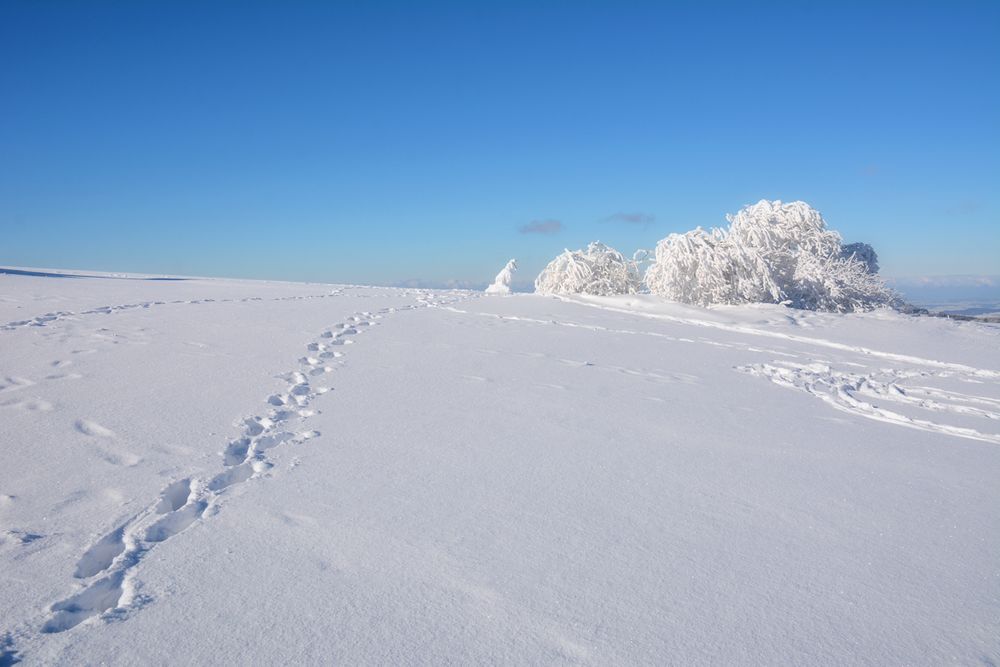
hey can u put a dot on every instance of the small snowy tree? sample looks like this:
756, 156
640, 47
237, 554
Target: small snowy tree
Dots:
598, 270
501, 284
772, 252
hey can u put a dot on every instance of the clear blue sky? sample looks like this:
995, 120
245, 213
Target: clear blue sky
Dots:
375, 142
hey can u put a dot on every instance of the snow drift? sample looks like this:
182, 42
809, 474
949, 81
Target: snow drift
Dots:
599, 270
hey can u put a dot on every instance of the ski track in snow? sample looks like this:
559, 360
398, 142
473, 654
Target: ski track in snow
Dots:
108, 567
843, 391
862, 394
809, 340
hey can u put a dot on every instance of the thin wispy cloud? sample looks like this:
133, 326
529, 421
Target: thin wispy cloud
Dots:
643, 219
541, 227
967, 207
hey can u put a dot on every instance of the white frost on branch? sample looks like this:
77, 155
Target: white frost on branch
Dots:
501, 284
598, 270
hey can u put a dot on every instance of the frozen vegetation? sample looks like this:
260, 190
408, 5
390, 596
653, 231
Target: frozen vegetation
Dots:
501, 284
219, 471
771, 252
599, 270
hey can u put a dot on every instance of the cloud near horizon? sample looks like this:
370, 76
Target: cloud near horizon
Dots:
632, 218
541, 227
946, 281
521, 285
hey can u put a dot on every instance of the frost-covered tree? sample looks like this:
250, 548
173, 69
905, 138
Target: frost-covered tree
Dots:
772, 252
641, 259
501, 284
599, 270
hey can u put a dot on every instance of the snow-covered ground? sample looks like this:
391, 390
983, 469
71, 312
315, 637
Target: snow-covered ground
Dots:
219, 471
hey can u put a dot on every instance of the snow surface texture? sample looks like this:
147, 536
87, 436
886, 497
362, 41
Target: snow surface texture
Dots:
501, 284
211, 471
599, 270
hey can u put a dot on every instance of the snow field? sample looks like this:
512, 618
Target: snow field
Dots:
371, 475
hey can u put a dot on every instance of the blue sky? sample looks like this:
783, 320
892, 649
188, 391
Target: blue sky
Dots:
379, 142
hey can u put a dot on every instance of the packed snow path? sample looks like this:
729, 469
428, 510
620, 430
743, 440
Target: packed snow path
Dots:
263, 472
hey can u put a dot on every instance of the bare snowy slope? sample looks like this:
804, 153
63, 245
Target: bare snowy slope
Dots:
216, 471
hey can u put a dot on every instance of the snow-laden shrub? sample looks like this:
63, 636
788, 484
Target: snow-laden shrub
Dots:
772, 252
687, 265
839, 284
863, 253
780, 228
501, 284
597, 270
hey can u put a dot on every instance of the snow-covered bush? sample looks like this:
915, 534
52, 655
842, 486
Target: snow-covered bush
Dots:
688, 265
772, 252
863, 253
597, 270
840, 284
501, 284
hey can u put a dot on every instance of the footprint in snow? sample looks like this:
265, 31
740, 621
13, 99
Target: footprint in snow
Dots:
93, 429
101, 554
31, 405
100, 596
175, 521
175, 496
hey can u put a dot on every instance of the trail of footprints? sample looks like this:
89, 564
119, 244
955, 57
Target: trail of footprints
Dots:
47, 318
108, 564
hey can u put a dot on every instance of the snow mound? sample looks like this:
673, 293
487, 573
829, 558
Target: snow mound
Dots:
772, 252
501, 284
599, 270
